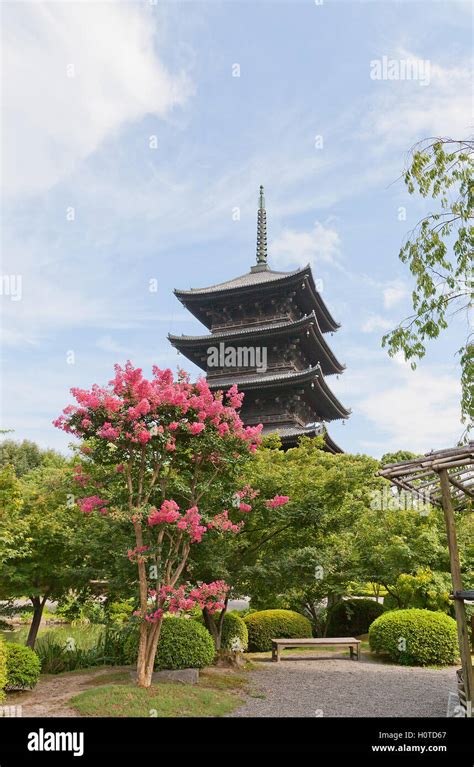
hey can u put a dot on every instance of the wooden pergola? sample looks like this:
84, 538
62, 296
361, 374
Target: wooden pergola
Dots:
445, 478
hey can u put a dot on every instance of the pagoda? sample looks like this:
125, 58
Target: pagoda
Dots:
267, 336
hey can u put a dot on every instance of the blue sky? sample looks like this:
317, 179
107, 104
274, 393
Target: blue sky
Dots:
92, 211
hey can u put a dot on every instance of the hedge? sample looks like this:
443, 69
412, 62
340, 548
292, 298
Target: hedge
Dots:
3, 668
234, 631
23, 667
415, 637
265, 625
352, 617
183, 643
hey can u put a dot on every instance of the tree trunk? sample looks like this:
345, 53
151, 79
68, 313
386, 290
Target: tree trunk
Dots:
149, 638
38, 605
215, 626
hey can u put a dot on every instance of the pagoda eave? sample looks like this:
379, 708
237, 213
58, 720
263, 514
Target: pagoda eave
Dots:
311, 381
306, 331
252, 284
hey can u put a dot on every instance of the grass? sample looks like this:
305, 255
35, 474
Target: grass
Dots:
161, 700
85, 637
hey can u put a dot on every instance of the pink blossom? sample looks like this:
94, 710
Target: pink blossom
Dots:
168, 513
278, 500
196, 428
92, 502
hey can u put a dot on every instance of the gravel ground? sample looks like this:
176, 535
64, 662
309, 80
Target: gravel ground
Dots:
329, 686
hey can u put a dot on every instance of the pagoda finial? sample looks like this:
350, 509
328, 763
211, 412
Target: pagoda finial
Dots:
261, 231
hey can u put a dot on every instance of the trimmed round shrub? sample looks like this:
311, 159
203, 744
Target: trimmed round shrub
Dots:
184, 643
234, 632
352, 617
415, 637
3, 668
23, 667
265, 625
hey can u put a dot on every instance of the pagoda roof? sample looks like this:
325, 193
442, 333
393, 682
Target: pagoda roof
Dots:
325, 403
192, 346
290, 435
255, 281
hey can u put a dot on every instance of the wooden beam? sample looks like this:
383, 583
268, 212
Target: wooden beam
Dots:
459, 608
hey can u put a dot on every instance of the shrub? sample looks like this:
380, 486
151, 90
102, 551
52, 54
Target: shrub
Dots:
3, 668
184, 643
120, 611
23, 667
234, 631
266, 625
415, 637
352, 617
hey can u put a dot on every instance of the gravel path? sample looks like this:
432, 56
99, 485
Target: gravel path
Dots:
331, 686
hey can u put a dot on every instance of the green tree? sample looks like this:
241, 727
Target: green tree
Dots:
26, 455
393, 541
50, 547
439, 254
298, 554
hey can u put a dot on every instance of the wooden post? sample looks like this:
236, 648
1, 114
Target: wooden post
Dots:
459, 609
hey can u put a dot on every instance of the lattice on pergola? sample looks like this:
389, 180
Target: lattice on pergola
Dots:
420, 476
445, 478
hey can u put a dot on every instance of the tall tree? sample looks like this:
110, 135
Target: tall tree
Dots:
438, 252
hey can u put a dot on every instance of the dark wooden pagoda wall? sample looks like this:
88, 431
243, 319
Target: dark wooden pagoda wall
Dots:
283, 355
231, 315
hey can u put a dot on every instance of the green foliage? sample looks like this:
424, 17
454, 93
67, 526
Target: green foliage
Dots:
183, 643
297, 555
439, 254
120, 611
266, 625
3, 668
80, 609
234, 628
415, 637
234, 631
352, 617
392, 541
425, 590
23, 667
25, 456
400, 455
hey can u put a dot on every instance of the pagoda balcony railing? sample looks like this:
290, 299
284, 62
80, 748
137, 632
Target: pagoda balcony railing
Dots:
245, 323
281, 367
274, 419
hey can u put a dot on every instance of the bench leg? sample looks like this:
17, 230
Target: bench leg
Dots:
352, 651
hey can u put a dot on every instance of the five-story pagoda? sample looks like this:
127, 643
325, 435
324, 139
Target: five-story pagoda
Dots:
266, 335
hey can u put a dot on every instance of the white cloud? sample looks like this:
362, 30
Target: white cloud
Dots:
53, 121
412, 410
394, 293
376, 322
404, 112
321, 244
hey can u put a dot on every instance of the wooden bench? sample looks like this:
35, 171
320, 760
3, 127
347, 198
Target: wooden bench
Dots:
350, 642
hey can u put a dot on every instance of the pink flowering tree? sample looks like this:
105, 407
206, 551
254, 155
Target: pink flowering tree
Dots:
151, 450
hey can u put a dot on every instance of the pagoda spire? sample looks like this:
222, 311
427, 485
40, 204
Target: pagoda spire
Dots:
262, 232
